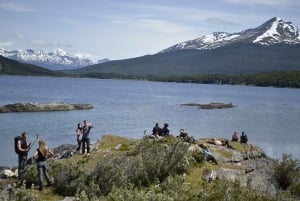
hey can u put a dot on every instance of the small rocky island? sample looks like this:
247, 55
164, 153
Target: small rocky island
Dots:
211, 105
43, 107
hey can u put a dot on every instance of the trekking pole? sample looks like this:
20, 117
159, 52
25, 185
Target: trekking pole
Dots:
37, 137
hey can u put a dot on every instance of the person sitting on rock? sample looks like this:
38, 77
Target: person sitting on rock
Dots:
157, 131
186, 137
214, 141
235, 137
207, 154
244, 138
166, 130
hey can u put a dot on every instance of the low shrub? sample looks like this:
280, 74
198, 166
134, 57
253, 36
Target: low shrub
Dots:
67, 178
31, 175
286, 172
149, 163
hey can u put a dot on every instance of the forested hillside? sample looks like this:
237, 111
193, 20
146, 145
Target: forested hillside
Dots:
12, 67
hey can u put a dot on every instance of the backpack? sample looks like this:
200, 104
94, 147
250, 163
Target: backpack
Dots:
16, 144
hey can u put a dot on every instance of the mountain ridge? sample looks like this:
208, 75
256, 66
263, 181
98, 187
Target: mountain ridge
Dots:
271, 32
276, 47
57, 60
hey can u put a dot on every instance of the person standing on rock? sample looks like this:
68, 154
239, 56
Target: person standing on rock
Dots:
40, 156
86, 136
22, 148
79, 132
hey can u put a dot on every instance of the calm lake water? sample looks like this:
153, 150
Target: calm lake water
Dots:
270, 116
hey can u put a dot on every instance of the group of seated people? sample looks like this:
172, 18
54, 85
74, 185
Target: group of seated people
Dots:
243, 138
158, 132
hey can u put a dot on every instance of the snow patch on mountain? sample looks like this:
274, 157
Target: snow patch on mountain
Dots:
272, 32
60, 52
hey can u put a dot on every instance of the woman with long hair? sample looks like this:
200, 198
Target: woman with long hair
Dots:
79, 132
40, 156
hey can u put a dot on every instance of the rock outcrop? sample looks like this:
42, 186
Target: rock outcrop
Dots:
43, 107
245, 163
211, 105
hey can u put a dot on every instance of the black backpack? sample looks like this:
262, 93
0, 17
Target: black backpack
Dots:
16, 144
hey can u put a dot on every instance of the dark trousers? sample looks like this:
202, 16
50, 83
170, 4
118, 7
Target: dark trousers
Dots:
211, 158
79, 144
85, 142
22, 163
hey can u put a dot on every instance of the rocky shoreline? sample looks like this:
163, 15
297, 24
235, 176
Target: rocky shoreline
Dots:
43, 107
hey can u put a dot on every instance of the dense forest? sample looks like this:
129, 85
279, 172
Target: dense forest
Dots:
276, 79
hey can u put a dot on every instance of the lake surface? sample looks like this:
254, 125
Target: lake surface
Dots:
270, 116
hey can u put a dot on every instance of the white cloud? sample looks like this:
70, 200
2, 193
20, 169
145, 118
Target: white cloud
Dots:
15, 7
6, 44
264, 2
41, 43
219, 21
19, 35
162, 26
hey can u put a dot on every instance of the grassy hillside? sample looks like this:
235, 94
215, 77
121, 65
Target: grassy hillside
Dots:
234, 59
12, 67
168, 169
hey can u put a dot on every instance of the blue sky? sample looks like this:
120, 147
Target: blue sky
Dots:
120, 29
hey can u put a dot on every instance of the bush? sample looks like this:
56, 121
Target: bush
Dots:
67, 178
111, 171
286, 172
149, 163
19, 194
175, 188
31, 175
162, 158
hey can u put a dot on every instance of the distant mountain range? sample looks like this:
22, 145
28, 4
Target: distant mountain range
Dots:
268, 55
57, 60
272, 46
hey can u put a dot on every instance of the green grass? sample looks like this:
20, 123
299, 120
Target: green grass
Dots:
110, 163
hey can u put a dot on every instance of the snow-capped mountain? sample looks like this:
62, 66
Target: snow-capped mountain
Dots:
57, 60
274, 31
